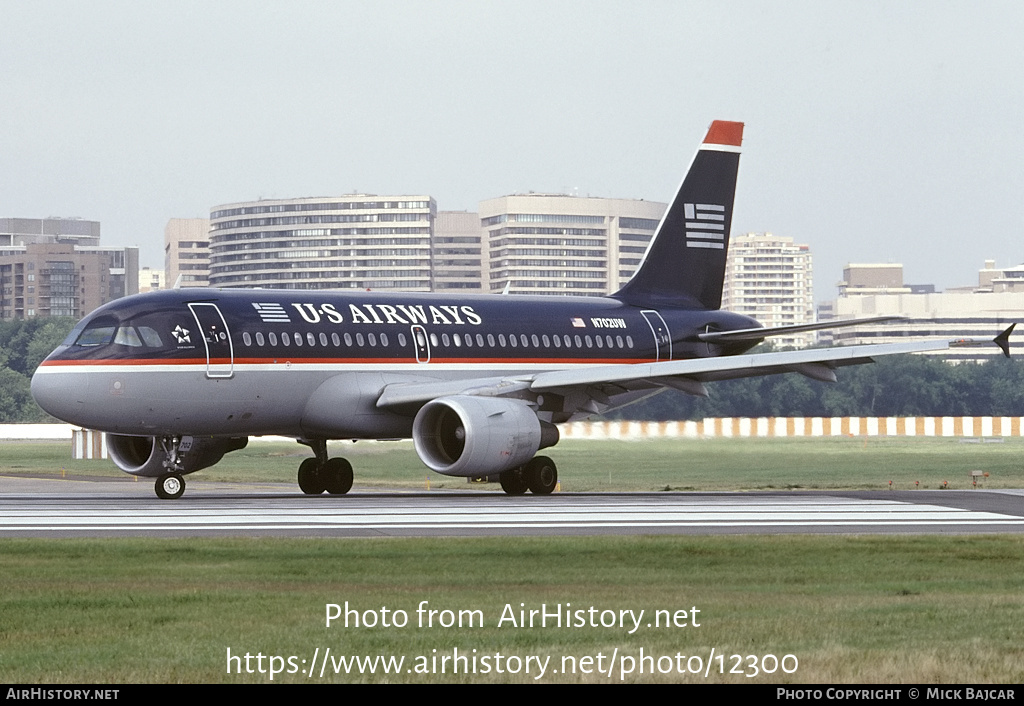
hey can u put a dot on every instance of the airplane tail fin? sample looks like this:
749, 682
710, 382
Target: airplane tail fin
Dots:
684, 265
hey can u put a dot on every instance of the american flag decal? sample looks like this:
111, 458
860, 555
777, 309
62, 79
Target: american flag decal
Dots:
271, 312
705, 225
578, 323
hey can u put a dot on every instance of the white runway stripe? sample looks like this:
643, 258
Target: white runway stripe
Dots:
468, 513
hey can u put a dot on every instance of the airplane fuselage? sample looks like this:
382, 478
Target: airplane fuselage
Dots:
254, 362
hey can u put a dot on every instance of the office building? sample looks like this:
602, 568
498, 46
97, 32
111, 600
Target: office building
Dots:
560, 244
457, 255
358, 241
770, 278
187, 252
979, 311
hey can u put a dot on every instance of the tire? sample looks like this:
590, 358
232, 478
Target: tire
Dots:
310, 479
541, 475
513, 482
337, 476
170, 486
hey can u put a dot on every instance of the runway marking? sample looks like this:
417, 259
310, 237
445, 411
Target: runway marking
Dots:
462, 513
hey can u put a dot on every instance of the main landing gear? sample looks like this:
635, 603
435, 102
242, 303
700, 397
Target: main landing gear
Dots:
539, 476
323, 474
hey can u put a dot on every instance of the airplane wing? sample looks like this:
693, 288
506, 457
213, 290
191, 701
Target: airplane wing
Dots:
687, 375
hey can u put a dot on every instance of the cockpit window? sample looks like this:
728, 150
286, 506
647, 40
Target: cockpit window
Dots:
105, 330
126, 336
150, 337
98, 333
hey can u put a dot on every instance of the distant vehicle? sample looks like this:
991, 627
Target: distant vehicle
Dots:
178, 378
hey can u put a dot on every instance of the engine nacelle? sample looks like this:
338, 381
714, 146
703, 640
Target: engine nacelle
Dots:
144, 455
478, 436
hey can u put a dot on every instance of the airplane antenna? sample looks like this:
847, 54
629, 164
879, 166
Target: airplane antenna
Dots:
508, 287
177, 282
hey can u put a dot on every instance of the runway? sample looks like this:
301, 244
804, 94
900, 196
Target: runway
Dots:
70, 508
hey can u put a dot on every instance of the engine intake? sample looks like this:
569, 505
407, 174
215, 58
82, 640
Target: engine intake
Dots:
144, 456
476, 436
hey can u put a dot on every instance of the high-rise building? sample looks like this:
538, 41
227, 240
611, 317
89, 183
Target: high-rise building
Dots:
357, 241
63, 279
458, 259
771, 278
559, 244
187, 252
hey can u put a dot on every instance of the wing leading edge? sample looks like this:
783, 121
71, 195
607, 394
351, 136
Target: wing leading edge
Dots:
687, 375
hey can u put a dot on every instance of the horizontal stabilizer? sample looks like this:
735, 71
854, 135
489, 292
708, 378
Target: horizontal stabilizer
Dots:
756, 334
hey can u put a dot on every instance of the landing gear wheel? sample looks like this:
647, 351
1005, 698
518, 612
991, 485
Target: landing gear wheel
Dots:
541, 475
311, 481
513, 482
170, 486
337, 476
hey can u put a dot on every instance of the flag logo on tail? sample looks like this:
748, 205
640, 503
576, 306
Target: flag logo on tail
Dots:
705, 225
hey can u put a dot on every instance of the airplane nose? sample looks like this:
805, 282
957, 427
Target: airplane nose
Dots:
58, 394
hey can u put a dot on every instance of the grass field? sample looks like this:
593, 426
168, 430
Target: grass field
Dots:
662, 464
927, 609
849, 609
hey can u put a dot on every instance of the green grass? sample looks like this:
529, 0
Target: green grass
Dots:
851, 609
662, 464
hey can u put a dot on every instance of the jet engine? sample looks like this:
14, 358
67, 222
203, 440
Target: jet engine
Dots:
144, 455
478, 436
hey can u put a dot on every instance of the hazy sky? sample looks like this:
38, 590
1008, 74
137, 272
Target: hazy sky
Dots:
876, 131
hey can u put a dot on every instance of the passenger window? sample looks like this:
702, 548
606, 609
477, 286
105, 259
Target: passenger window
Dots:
259, 338
247, 339
273, 338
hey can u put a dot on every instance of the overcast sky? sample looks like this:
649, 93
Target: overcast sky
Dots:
875, 131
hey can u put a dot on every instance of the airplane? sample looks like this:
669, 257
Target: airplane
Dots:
178, 378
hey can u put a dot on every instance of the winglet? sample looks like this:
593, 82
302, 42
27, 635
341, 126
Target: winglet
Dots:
1003, 340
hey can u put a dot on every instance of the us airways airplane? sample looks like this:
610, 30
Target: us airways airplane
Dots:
178, 378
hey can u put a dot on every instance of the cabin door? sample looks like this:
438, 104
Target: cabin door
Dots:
662, 339
421, 343
220, 355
